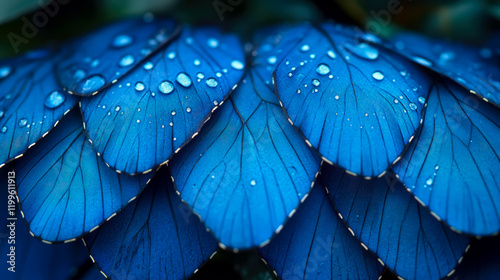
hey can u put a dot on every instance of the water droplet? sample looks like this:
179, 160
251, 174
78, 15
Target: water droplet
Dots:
272, 60
5, 71
127, 60
421, 99
117, 108
2, 113
171, 55
189, 40
422, 61
148, 65
94, 63
403, 73
413, 106
188, 110
196, 62
166, 87
337, 97
429, 181
54, 100
22, 122
213, 43
331, 54
253, 183
323, 69
305, 48
396, 101
184, 80
200, 75
92, 84
218, 74
211, 82
139, 86
238, 65
363, 50
379, 76
316, 82
437, 166
4, 129
290, 75
173, 113
121, 41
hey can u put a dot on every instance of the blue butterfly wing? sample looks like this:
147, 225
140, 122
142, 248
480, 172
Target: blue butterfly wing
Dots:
65, 189
391, 223
453, 165
154, 237
475, 68
32, 258
92, 62
138, 123
248, 169
356, 103
481, 261
31, 101
315, 244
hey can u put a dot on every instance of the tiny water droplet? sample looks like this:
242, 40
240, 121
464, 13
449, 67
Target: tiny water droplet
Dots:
200, 75
22, 122
171, 55
422, 61
94, 63
196, 62
396, 101
4, 129
377, 75
429, 181
331, 54
121, 41
2, 113
323, 69
253, 183
188, 110
139, 86
127, 60
413, 106
117, 108
148, 65
5, 71
403, 73
316, 82
213, 43
211, 82
272, 60
305, 48
238, 65
166, 87
421, 99
54, 99
184, 80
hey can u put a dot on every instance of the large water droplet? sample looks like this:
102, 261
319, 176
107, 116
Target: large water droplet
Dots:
148, 65
363, 50
54, 100
122, 41
22, 122
92, 84
323, 69
238, 65
184, 79
139, 86
166, 87
127, 60
213, 43
211, 82
5, 71
377, 75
